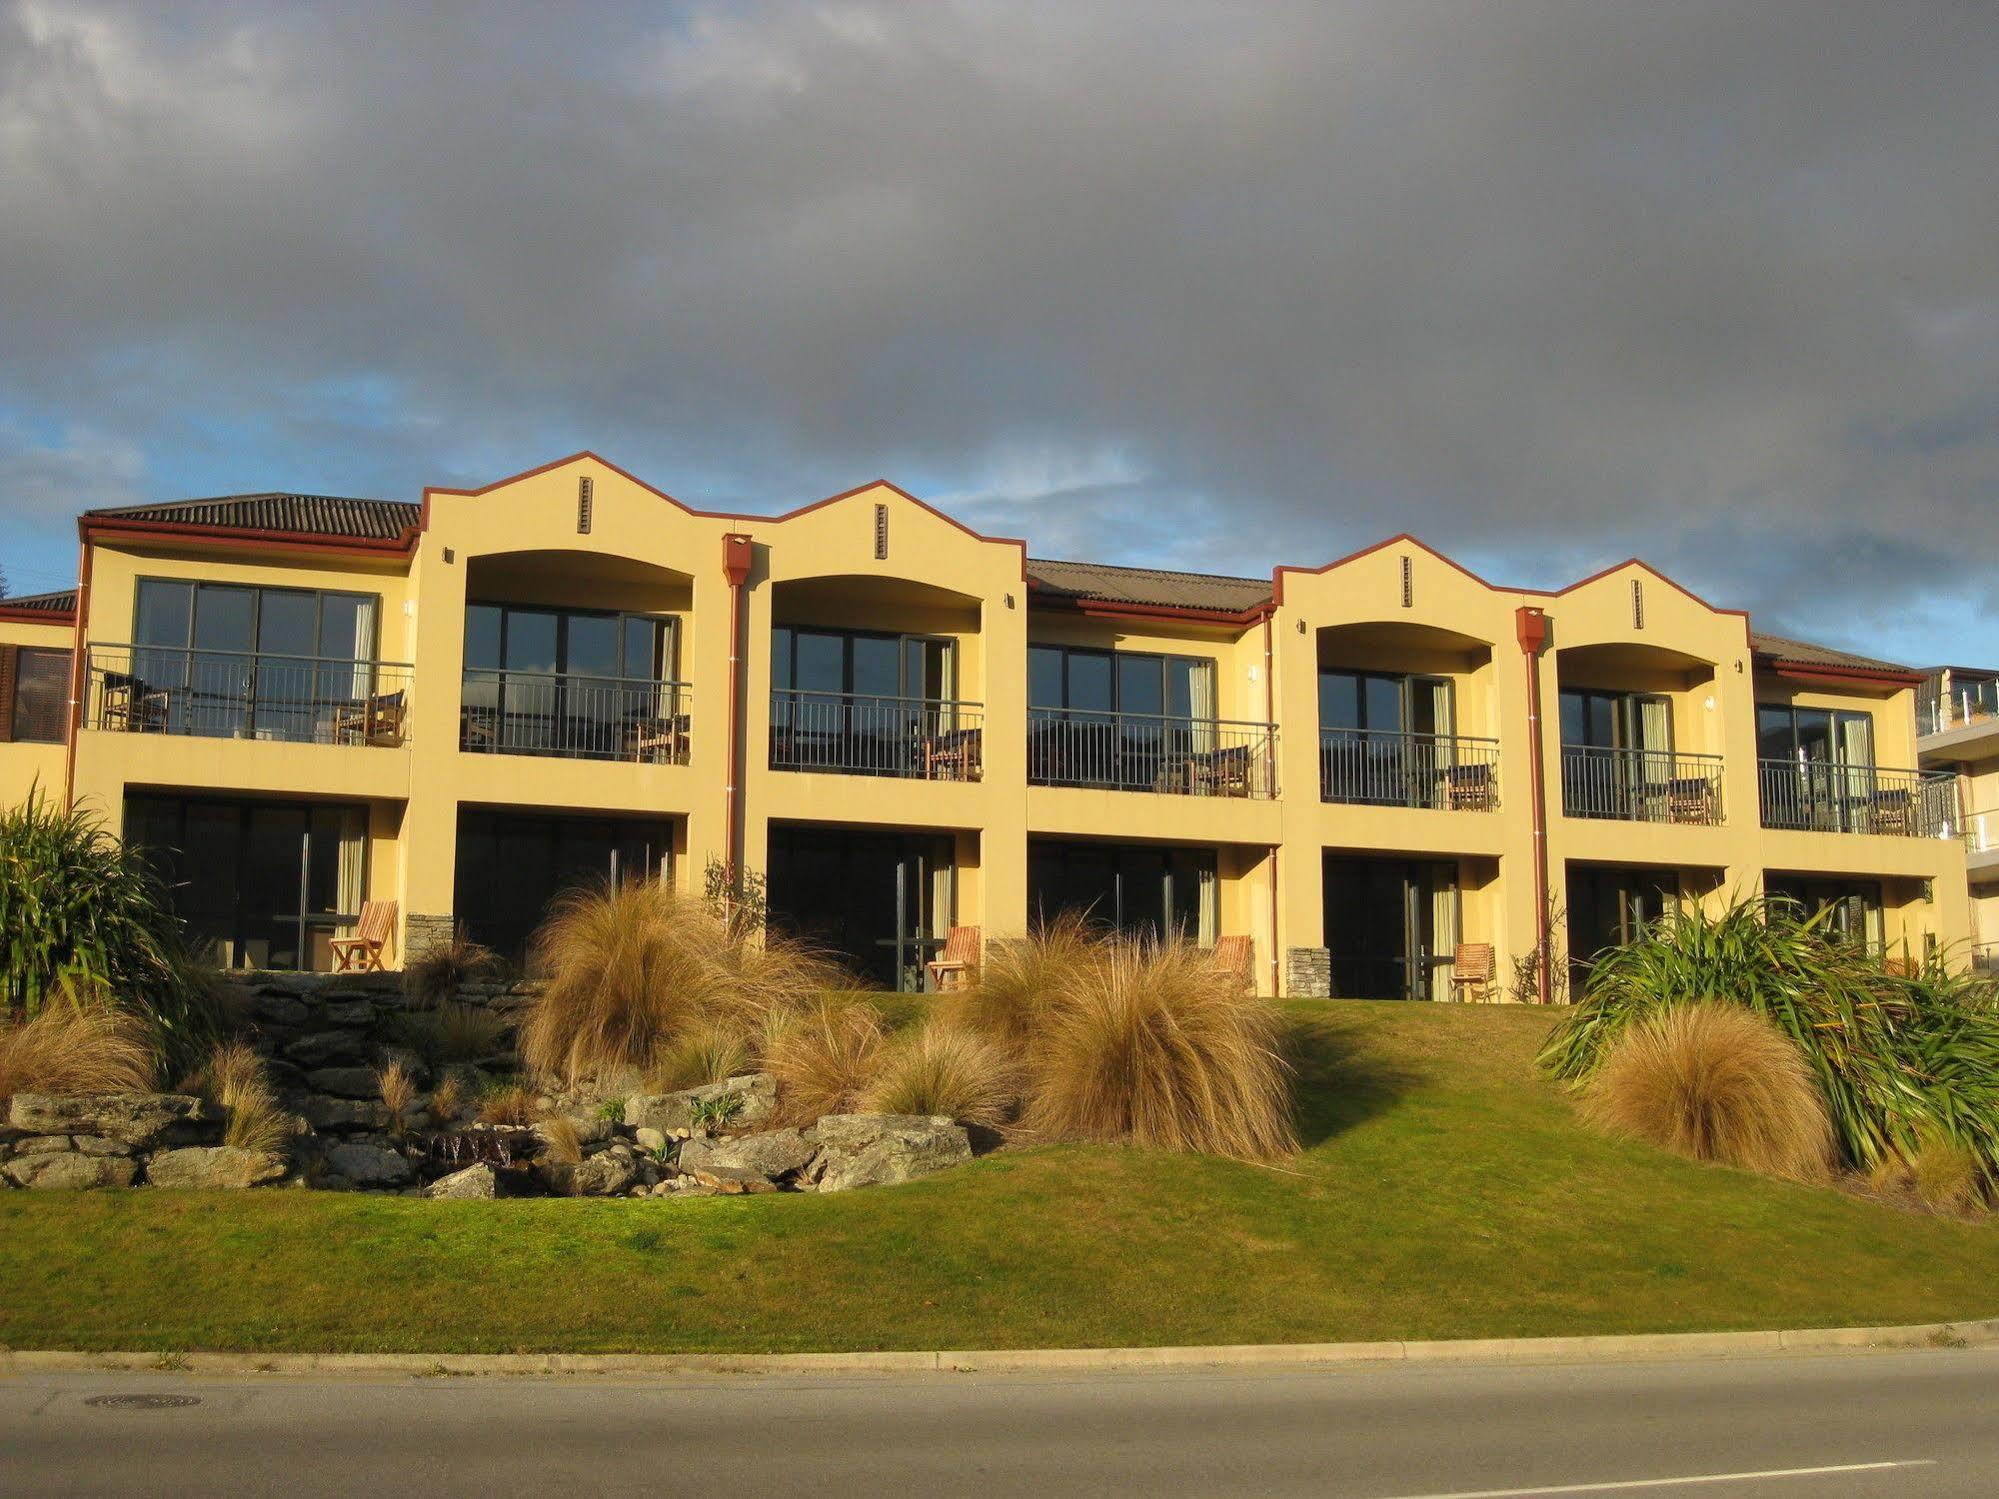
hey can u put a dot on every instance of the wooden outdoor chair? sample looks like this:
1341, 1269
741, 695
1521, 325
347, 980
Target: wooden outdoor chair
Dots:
657, 739
1468, 788
1472, 969
1690, 799
362, 952
953, 755
375, 719
132, 704
1225, 772
1238, 955
1892, 811
963, 948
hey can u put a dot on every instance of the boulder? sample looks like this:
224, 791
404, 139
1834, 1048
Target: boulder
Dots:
366, 1165
43, 1144
98, 1145
357, 1012
325, 1113
344, 1082
66, 1170
474, 1183
780, 1153
214, 1166
142, 1119
279, 1008
649, 1139
604, 1174
873, 1150
666, 1112
327, 1049
730, 1180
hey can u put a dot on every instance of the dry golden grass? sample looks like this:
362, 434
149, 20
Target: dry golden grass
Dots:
710, 1051
1008, 998
945, 1069
560, 1140
447, 1099
1716, 1082
1157, 1043
464, 1033
399, 1092
825, 1058
74, 1046
234, 1078
512, 1103
1945, 1176
436, 974
630, 970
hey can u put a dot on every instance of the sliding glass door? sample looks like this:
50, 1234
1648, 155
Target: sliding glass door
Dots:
882, 901
1391, 926
1609, 906
1385, 739
1138, 888
860, 703
1617, 754
1125, 720
572, 682
512, 866
1817, 768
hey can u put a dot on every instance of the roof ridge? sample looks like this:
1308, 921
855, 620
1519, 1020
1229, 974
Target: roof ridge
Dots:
258, 494
1157, 572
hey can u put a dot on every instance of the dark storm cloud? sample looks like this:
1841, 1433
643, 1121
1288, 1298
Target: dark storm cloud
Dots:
1549, 284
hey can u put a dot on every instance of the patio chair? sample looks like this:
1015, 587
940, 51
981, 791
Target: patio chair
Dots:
375, 719
657, 739
1225, 772
1892, 810
951, 968
132, 704
1238, 955
1468, 788
362, 952
1690, 799
1472, 969
953, 755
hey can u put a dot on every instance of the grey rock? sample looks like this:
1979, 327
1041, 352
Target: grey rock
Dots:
589, 1131
602, 1175
666, 1112
870, 1150
350, 1012
344, 1082
98, 1145
280, 1009
368, 1165
325, 1113
214, 1166
142, 1119
478, 1182
772, 1156
68, 1171
43, 1144
327, 1049
649, 1139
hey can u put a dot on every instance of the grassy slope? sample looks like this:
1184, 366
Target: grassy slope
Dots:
1446, 1193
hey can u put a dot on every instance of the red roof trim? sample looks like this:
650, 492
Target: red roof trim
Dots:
1813, 671
55, 618
107, 529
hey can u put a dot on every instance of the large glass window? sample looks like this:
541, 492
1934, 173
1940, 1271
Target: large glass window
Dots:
1386, 738
566, 681
1617, 755
511, 865
1817, 768
1128, 720
1138, 888
1391, 926
40, 711
260, 884
860, 703
1850, 909
1609, 906
882, 901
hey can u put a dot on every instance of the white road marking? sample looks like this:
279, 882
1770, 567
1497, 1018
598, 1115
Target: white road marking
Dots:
1667, 1483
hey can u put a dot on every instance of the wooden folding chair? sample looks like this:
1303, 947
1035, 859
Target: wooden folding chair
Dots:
362, 952
959, 960
1238, 955
1472, 968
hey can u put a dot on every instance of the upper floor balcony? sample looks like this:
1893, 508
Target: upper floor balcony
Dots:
1176, 755
849, 733
1641, 785
215, 694
1957, 699
1379, 768
1827, 796
639, 719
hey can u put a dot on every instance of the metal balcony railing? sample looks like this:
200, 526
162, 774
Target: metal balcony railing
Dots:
1151, 752
150, 689
1966, 703
1377, 768
929, 739
1641, 785
1981, 831
640, 719
1819, 797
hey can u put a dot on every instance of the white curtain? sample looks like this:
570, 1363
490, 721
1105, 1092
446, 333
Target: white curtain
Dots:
943, 890
364, 647
1444, 928
1856, 757
1208, 927
1201, 707
353, 862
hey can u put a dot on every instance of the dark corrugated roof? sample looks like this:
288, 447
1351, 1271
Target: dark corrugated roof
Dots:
61, 602
326, 515
1803, 653
1147, 585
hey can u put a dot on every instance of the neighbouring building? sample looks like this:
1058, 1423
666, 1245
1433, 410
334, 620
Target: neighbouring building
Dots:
1957, 724
1367, 770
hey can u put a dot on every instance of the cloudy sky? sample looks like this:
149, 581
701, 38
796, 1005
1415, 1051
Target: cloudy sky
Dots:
1209, 285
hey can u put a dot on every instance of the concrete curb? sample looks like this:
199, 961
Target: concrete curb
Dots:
1639, 1346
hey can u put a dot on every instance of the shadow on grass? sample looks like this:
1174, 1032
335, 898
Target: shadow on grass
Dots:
1341, 1081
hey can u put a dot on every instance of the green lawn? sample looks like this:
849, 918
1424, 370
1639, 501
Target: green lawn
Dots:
1446, 1192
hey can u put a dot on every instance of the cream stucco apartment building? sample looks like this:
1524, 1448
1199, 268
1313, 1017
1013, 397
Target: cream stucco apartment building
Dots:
1361, 767
1957, 723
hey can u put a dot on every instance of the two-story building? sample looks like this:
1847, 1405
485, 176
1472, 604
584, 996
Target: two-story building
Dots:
1957, 724
1367, 770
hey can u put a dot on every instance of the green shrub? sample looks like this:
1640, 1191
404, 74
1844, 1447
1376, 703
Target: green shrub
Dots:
79, 907
1900, 1059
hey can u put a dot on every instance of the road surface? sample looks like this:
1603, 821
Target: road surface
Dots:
1848, 1426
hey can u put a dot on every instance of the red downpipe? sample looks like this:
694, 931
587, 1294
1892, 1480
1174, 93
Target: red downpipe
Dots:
78, 665
737, 554
1270, 756
1532, 626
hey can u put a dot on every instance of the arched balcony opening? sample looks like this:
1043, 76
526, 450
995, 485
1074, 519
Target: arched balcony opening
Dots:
1407, 717
1640, 740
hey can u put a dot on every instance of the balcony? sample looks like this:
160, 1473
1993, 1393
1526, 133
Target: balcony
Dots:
1378, 768
847, 733
1817, 796
641, 720
247, 695
1151, 752
1956, 702
1641, 785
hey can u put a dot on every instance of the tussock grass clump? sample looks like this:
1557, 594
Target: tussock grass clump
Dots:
824, 1059
73, 1046
941, 1068
508, 1103
1010, 993
1946, 1177
1716, 1082
711, 1051
631, 970
461, 1033
1157, 1043
447, 1099
234, 1078
397, 1086
561, 1141
435, 975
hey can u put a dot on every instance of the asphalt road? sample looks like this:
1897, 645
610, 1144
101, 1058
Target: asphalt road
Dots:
1847, 1426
